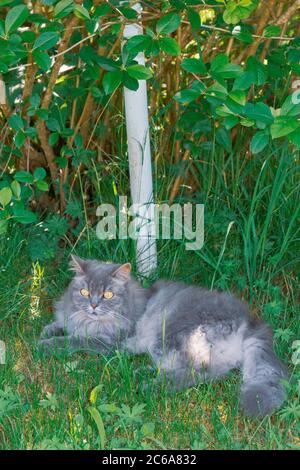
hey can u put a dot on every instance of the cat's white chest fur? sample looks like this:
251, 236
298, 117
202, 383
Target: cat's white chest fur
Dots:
152, 326
217, 358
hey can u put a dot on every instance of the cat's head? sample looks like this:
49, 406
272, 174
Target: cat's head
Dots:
99, 289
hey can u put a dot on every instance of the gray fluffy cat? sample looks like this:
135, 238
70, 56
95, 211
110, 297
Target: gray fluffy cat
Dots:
192, 334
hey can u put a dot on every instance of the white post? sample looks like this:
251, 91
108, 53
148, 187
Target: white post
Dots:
2, 352
2, 92
139, 155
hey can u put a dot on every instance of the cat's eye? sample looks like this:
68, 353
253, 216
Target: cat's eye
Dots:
84, 292
108, 294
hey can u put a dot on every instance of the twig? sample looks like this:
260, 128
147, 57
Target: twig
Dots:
223, 30
45, 103
289, 13
62, 53
89, 100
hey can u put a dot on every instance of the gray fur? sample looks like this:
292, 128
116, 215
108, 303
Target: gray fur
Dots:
192, 334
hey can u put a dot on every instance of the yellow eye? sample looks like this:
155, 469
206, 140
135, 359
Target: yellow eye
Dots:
108, 294
84, 292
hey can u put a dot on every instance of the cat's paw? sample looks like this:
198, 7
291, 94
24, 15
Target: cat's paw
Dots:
53, 329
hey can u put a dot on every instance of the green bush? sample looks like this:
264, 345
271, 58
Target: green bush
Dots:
219, 74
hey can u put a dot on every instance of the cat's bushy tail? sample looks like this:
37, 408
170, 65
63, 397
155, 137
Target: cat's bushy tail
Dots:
263, 374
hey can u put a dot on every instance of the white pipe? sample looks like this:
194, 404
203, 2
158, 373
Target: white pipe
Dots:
2, 92
2, 352
139, 155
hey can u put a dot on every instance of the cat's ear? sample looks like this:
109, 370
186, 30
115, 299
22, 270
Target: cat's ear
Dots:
78, 264
123, 272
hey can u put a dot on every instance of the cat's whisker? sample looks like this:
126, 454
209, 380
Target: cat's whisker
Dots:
119, 315
76, 312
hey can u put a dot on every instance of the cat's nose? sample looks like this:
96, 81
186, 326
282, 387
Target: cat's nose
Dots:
94, 306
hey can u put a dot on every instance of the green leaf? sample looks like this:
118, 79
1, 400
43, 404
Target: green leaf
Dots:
24, 216
244, 81
169, 46
42, 60
188, 95
259, 112
42, 113
53, 125
31, 132
294, 137
148, 429
222, 69
259, 141
16, 122
238, 96
39, 174
111, 81
196, 66
15, 18
194, 19
46, 41
53, 138
94, 394
290, 108
271, 31
130, 82
81, 12
168, 23
128, 13
16, 188
224, 111
237, 10
247, 122
19, 139
24, 177
219, 62
27, 36
140, 72
63, 8
99, 423
230, 122
217, 91
243, 35
5, 196
101, 10
283, 126
3, 3
42, 185
231, 71
2, 29
107, 64
294, 56
35, 100
3, 67
137, 43
257, 70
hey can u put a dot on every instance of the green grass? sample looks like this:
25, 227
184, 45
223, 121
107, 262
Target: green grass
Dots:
46, 403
